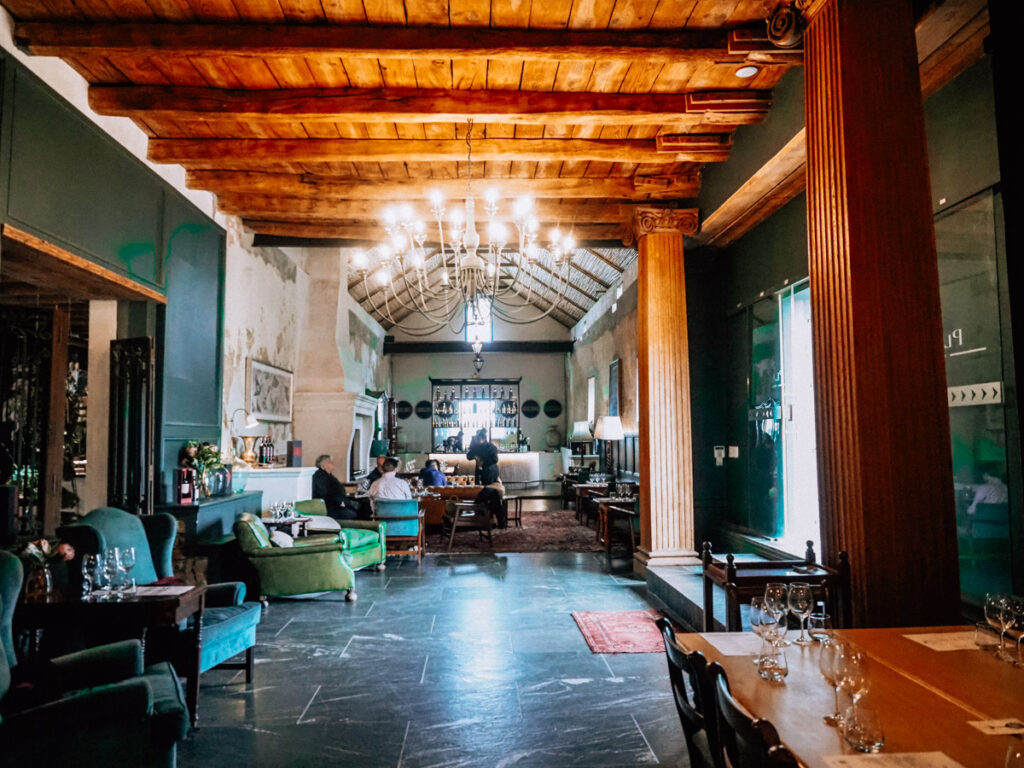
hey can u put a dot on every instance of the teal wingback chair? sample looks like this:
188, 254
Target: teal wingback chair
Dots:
229, 623
109, 710
404, 519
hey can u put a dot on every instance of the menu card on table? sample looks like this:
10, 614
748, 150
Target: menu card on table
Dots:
162, 591
897, 760
734, 643
946, 641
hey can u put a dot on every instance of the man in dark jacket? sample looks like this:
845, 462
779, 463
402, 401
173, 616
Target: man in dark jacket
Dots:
486, 455
327, 487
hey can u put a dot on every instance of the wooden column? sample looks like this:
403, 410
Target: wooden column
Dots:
666, 452
52, 482
885, 474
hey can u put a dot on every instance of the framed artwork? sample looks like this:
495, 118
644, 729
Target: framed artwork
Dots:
269, 391
613, 388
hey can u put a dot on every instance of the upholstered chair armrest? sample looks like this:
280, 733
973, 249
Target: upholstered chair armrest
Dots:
366, 525
273, 552
225, 594
317, 539
99, 666
128, 701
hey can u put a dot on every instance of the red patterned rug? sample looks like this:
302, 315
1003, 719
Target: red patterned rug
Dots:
621, 631
554, 530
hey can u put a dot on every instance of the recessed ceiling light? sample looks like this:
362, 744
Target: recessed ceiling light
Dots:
748, 71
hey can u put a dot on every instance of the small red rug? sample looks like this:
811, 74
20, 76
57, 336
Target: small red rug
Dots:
621, 631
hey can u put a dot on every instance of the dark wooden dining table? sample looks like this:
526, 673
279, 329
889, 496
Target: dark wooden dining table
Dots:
925, 698
132, 616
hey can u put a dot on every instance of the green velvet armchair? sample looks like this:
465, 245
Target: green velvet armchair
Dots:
312, 563
93, 708
229, 623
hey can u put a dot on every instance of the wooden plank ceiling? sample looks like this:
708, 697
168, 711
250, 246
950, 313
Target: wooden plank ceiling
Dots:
305, 116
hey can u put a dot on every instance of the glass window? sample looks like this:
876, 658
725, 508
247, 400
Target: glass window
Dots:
969, 286
479, 321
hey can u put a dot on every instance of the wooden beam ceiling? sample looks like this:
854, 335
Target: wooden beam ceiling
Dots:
493, 45
257, 154
637, 188
430, 105
352, 230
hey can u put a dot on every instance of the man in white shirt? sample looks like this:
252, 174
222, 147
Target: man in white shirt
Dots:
389, 485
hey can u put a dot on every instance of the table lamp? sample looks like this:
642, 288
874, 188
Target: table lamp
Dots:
609, 428
248, 441
580, 434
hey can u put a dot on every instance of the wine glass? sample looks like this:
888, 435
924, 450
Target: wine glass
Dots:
801, 603
775, 598
852, 671
128, 561
762, 622
828, 663
1000, 617
113, 571
89, 576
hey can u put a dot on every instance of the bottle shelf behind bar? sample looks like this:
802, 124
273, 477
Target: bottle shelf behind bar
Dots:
468, 405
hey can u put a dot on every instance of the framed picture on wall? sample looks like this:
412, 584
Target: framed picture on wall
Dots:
268, 391
613, 388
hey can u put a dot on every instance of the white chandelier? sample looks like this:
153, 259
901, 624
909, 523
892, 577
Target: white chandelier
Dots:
453, 282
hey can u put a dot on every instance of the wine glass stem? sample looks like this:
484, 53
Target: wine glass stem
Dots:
835, 690
803, 637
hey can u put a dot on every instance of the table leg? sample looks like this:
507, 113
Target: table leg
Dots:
192, 689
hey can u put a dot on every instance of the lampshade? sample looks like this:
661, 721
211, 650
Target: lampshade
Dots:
609, 428
250, 420
379, 448
580, 431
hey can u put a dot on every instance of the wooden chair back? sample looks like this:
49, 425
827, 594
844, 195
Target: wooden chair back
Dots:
747, 742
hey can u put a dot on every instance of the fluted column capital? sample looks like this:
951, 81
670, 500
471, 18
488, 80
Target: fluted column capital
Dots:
646, 220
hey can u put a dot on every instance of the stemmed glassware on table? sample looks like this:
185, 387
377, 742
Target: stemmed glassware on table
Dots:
828, 665
852, 673
1000, 615
128, 561
90, 575
776, 599
762, 622
114, 572
801, 602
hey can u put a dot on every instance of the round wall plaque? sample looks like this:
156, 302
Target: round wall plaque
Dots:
530, 408
424, 410
403, 408
552, 409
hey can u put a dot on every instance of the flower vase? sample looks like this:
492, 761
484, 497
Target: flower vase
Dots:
204, 483
40, 582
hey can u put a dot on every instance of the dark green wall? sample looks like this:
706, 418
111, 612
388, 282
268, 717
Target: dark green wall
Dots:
69, 183
960, 128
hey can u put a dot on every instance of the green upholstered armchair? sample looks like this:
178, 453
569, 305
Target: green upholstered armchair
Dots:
312, 564
229, 623
109, 709
364, 539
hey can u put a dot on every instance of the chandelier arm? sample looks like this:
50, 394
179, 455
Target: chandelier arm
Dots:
507, 316
420, 304
369, 297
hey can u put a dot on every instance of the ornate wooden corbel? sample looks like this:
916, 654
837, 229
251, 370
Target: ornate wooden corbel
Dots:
646, 220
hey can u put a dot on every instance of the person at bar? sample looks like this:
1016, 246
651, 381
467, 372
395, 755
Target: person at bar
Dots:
431, 474
485, 453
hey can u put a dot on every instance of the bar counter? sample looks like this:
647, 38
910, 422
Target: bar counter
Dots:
512, 467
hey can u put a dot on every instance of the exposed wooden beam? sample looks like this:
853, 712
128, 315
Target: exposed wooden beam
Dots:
444, 347
605, 259
307, 208
351, 230
257, 154
639, 188
284, 40
429, 105
772, 186
591, 275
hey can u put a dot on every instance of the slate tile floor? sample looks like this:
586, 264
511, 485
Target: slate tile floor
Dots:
462, 661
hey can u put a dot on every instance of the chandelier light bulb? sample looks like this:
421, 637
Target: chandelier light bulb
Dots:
523, 206
490, 270
556, 236
532, 251
383, 277
358, 259
491, 196
497, 233
444, 277
385, 252
397, 241
405, 213
390, 216
436, 198
569, 244
416, 259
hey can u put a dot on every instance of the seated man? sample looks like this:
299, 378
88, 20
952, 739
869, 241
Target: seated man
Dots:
374, 474
327, 487
389, 485
431, 474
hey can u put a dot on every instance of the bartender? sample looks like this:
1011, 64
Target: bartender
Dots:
485, 453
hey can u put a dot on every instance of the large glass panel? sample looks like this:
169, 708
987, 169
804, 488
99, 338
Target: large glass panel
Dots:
764, 422
479, 321
799, 443
969, 285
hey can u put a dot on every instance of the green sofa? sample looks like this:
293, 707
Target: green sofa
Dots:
93, 708
321, 563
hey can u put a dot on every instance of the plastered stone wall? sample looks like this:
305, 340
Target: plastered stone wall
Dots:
602, 336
